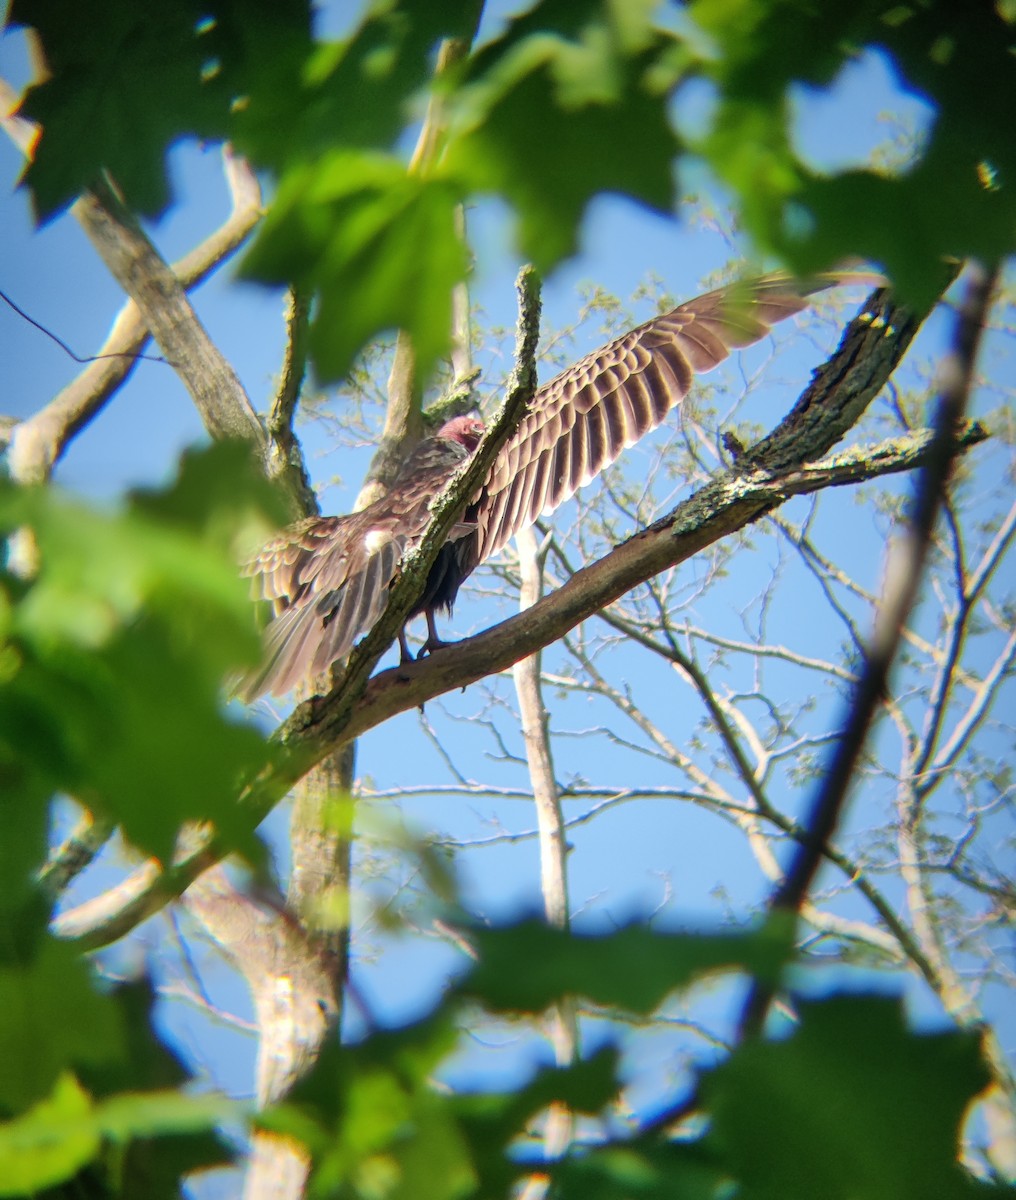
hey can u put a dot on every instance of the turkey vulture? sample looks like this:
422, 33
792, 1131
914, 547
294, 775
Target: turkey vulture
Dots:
328, 577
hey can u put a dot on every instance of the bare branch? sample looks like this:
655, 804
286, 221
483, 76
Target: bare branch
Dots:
563, 1020
901, 592
75, 853
149, 281
284, 459
38, 442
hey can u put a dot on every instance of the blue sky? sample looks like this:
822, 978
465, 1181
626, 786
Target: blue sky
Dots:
634, 858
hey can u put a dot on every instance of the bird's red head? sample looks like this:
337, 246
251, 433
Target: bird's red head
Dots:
467, 431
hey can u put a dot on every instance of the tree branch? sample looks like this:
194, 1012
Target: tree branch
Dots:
562, 1020
284, 460
161, 299
145, 276
38, 442
901, 592
726, 504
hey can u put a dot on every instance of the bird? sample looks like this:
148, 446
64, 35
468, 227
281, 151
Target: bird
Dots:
328, 578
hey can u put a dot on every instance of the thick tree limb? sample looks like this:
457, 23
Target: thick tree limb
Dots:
38, 442
146, 277
284, 460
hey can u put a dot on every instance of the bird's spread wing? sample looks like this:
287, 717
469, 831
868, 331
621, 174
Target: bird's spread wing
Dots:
580, 422
328, 577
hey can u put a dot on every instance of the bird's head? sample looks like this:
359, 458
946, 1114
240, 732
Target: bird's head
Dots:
467, 431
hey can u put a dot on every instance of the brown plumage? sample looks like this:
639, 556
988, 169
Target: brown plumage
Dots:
328, 577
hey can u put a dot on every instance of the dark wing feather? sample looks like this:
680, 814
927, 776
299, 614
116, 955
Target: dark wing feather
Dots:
328, 577
582, 420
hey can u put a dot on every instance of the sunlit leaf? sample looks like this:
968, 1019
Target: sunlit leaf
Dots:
50, 1142
361, 92
586, 83
52, 1019
851, 1106
642, 1168
124, 81
378, 242
120, 645
958, 200
528, 966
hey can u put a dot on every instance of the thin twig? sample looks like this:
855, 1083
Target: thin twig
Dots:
78, 358
284, 460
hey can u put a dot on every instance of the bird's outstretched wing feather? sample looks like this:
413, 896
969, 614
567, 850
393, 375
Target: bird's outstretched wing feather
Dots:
328, 578
581, 421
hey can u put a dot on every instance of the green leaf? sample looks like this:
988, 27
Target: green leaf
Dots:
49, 1143
595, 90
640, 1168
153, 1168
51, 1020
62, 1134
25, 843
958, 200
152, 1114
119, 648
851, 1106
358, 93
220, 494
493, 1122
633, 968
152, 1136
762, 46
379, 244
163, 753
126, 80
374, 1123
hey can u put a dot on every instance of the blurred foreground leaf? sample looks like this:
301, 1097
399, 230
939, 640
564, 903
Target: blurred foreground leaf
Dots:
851, 1106
112, 672
530, 965
379, 244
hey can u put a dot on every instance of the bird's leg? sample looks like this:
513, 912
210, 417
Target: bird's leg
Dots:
434, 640
406, 655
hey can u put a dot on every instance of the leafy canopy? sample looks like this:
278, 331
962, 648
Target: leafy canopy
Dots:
373, 233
